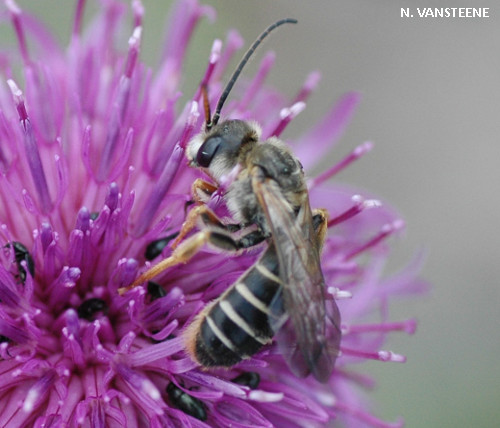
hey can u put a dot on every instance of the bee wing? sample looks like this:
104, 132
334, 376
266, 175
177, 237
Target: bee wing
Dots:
308, 344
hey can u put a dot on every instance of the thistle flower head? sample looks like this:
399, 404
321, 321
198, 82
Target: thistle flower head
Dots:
94, 185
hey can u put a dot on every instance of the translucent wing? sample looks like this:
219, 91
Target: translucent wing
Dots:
308, 343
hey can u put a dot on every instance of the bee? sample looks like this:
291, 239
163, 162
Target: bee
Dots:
249, 379
282, 295
187, 403
91, 308
21, 254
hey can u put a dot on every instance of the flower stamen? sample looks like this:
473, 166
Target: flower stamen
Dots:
31, 150
357, 153
360, 204
386, 231
15, 14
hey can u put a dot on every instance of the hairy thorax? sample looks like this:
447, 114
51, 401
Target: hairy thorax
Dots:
276, 162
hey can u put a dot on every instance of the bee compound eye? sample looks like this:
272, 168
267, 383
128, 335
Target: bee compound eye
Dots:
207, 151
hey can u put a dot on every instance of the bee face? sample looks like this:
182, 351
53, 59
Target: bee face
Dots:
219, 150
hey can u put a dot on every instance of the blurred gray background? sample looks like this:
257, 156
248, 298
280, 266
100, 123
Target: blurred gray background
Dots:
431, 104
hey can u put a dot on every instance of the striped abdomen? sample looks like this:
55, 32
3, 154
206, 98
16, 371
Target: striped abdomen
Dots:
236, 325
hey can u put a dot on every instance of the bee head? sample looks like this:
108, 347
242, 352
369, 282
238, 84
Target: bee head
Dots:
220, 149
223, 145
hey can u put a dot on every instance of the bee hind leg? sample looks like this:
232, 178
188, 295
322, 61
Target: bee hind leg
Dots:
187, 249
320, 225
181, 254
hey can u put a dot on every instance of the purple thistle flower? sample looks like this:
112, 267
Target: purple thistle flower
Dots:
93, 173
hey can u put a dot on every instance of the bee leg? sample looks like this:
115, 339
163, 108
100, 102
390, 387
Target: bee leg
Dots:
320, 225
208, 217
191, 221
202, 190
182, 254
188, 248
225, 241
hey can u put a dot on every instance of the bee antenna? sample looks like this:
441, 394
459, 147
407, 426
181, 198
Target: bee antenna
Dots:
206, 107
236, 73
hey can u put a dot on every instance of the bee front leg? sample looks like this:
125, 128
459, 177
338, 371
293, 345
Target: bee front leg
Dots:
202, 190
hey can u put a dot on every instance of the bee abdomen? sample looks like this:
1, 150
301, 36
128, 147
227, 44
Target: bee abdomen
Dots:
237, 326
